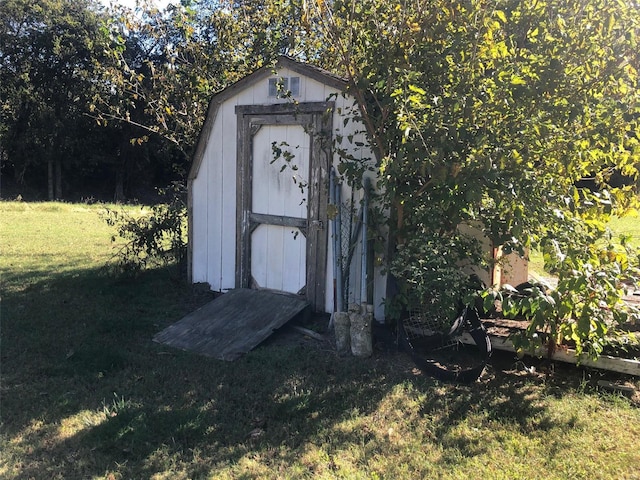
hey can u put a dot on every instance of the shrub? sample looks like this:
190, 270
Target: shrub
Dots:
152, 237
586, 309
431, 279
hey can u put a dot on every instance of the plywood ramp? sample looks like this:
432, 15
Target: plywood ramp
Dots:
232, 324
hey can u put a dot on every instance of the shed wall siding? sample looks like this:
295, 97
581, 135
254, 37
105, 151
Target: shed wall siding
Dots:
199, 226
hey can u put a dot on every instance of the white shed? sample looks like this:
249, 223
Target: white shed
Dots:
259, 220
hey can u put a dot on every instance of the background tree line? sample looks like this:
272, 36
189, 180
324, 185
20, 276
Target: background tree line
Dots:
107, 102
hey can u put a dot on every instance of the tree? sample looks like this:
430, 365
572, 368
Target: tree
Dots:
103, 94
488, 113
48, 54
165, 65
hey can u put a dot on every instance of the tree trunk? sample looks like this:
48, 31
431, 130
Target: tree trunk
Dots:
58, 179
118, 195
50, 185
121, 171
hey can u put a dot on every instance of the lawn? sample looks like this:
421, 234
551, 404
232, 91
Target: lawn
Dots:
85, 393
629, 225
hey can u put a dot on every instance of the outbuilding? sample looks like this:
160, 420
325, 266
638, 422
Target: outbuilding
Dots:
265, 193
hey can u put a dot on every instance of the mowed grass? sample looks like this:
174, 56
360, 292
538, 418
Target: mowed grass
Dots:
627, 225
85, 393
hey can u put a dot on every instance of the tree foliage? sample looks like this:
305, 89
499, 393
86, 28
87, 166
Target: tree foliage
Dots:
585, 310
488, 114
150, 238
49, 52
165, 65
118, 96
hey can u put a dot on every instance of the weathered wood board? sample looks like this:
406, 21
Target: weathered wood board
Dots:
605, 362
232, 324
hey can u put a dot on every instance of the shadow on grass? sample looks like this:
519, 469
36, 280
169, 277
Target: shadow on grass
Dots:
86, 392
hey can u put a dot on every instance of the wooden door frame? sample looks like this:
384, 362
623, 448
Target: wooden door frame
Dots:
317, 120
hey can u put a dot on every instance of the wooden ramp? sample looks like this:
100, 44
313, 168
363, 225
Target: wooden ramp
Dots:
232, 324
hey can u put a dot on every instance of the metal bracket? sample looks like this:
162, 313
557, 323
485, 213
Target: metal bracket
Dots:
317, 224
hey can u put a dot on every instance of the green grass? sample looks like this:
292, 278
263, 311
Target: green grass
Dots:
86, 394
628, 225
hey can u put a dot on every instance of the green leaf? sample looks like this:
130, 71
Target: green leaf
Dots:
416, 89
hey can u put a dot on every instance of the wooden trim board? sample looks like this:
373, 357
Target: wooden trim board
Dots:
605, 362
318, 126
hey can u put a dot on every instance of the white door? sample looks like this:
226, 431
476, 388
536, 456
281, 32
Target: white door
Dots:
279, 199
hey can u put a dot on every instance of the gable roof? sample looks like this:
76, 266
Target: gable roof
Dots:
316, 73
